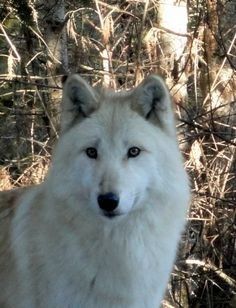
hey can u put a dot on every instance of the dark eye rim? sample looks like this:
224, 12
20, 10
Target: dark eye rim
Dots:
136, 152
91, 152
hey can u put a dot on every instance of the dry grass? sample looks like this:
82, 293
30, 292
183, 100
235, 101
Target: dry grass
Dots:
205, 274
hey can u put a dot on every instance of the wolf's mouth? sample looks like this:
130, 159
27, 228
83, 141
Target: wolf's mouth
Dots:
111, 215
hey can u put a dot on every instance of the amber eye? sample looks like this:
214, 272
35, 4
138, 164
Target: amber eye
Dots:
133, 152
91, 153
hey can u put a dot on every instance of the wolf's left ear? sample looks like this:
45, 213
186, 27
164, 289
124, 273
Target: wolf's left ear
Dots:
78, 102
151, 99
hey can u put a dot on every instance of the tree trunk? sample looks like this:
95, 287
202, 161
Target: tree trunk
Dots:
172, 24
52, 21
52, 18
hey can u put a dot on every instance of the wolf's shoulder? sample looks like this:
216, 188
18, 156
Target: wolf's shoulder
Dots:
9, 202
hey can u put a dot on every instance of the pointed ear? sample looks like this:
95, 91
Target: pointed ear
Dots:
78, 102
152, 101
63, 79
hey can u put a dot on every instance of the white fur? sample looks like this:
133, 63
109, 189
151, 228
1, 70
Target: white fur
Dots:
66, 252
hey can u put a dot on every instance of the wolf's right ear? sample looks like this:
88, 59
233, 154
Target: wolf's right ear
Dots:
78, 102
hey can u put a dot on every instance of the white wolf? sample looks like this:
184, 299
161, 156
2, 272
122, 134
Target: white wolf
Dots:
102, 230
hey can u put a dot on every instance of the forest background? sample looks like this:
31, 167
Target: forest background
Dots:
116, 44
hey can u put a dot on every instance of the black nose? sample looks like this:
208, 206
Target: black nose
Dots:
108, 202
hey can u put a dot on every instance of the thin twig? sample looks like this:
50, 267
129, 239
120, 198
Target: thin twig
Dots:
10, 43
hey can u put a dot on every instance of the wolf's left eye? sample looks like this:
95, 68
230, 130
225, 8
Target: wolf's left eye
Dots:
91, 153
133, 152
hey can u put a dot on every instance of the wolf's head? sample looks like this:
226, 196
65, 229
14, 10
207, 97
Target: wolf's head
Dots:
117, 152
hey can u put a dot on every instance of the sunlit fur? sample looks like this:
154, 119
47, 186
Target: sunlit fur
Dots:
64, 251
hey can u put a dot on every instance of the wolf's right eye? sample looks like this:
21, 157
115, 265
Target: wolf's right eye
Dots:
91, 153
